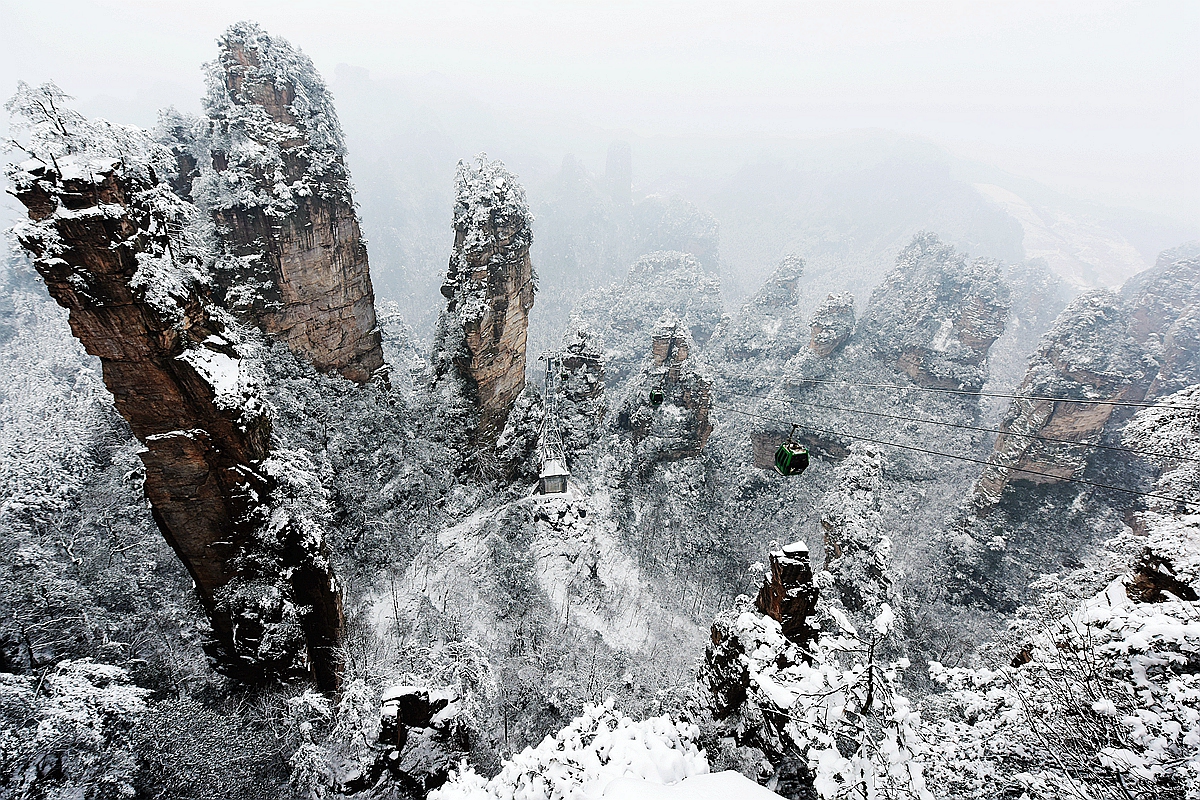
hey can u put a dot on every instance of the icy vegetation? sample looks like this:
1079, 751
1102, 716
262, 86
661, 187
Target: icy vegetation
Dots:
245, 557
584, 757
275, 135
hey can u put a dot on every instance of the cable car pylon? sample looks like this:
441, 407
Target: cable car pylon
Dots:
554, 476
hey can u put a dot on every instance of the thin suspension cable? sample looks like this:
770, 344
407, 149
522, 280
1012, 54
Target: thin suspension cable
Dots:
1128, 403
964, 458
791, 401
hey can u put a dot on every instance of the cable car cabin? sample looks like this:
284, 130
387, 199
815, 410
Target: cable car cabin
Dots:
656, 396
791, 458
553, 479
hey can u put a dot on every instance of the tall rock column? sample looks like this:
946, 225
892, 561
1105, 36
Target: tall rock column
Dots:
489, 290
677, 425
113, 248
274, 179
936, 315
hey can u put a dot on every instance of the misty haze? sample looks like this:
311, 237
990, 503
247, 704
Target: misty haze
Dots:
649, 401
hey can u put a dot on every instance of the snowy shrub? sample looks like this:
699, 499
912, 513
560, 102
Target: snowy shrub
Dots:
1103, 701
832, 705
580, 760
1101, 704
67, 733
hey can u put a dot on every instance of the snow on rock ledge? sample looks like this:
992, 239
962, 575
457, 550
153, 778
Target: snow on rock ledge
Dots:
727, 785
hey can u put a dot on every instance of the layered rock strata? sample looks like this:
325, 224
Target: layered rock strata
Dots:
1089, 354
935, 316
489, 289
1103, 347
113, 249
271, 170
1165, 317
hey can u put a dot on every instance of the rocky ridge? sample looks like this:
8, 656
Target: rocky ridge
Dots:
831, 324
1104, 347
935, 316
769, 323
621, 317
115, 249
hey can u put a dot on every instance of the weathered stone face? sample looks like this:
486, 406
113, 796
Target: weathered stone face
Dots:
319, 298
1165, 317
1088, 355
832, 324
1102, 347
296, 265
788, 594
489, 290
496, 338
1179, 363
179, 382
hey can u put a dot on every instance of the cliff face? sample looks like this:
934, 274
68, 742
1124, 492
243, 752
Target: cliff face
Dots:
788, 594
1105, 347
1089, 354
935, 316
489, 288
1165, 317
679, 426
114, 249
270, 168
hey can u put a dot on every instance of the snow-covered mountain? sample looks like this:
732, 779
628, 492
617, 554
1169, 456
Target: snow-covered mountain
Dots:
270, 537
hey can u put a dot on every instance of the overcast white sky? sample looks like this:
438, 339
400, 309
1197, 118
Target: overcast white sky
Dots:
1097, 99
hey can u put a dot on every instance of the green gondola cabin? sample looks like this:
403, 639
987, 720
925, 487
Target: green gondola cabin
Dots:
791, 458
656, 396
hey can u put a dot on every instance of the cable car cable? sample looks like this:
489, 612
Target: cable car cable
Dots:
1093, 484
963, 427
1129, 403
